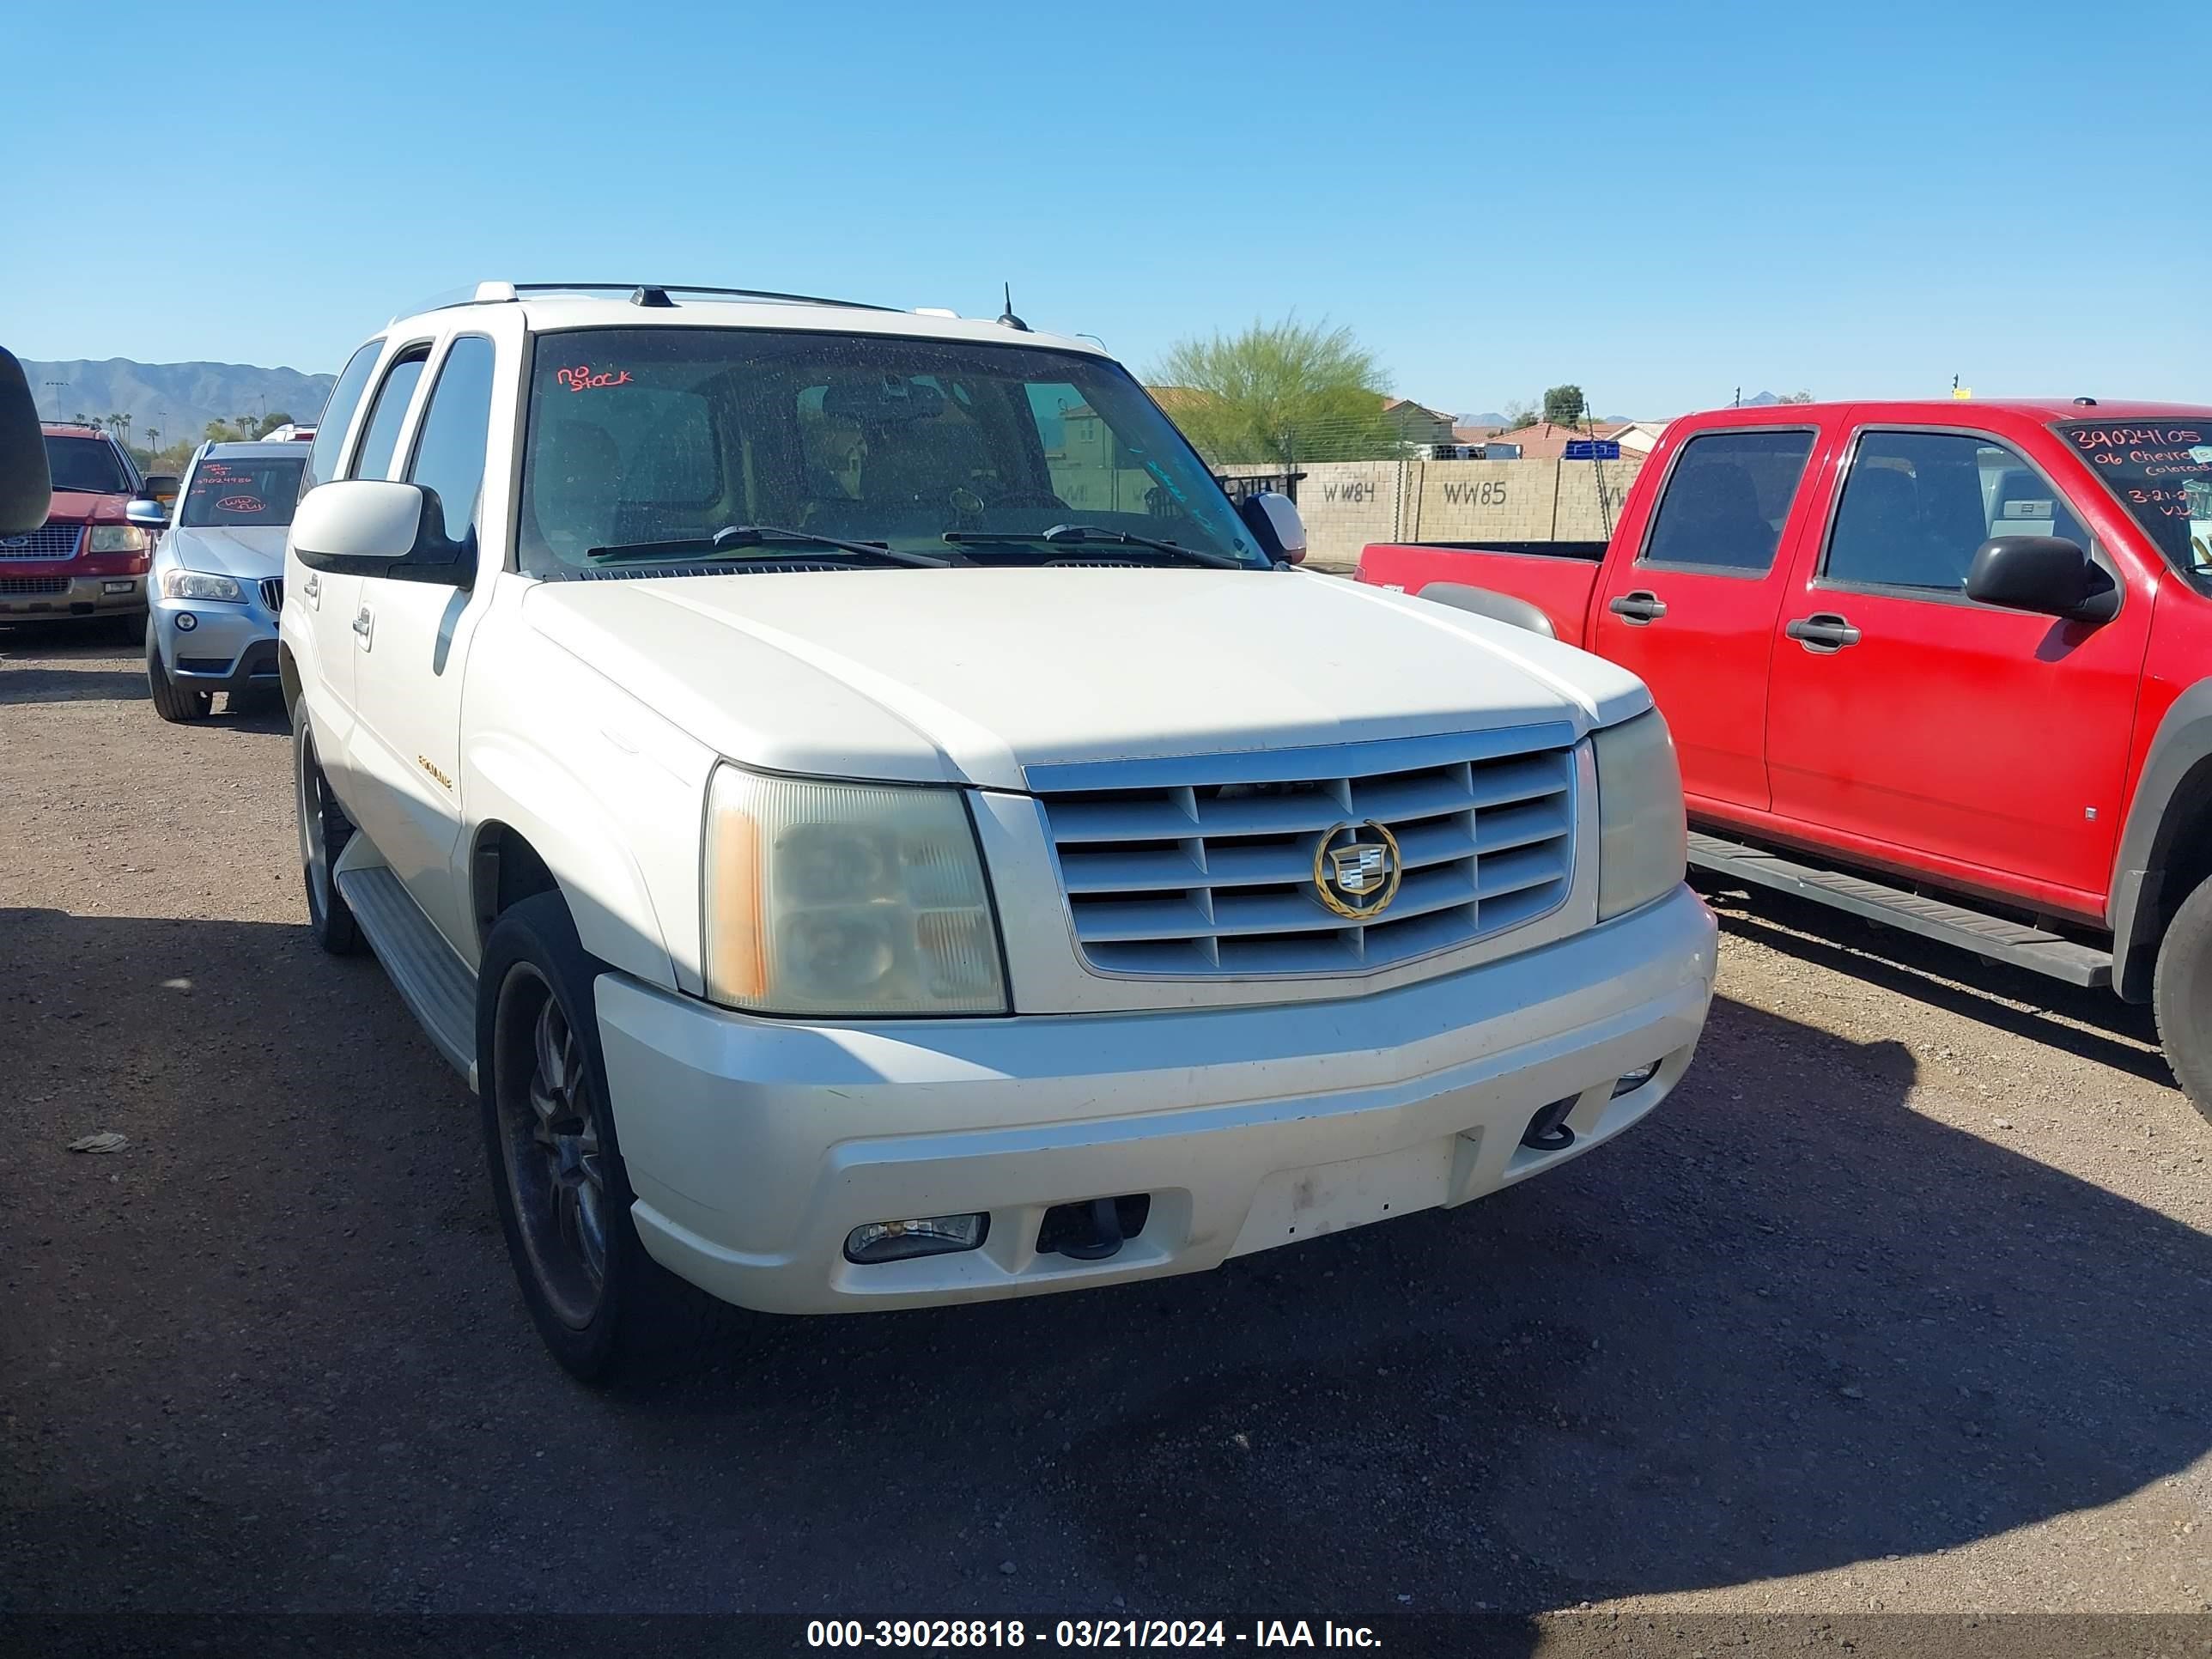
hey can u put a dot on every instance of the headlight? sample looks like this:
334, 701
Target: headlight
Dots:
198, 585
846, 899
118, 539
1643, 839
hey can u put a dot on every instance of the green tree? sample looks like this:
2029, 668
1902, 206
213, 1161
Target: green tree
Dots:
268, 423
1522, 411
1797, 398
1285, 392
1564, 405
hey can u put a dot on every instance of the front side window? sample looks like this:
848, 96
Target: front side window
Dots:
1727, 500
1918, 506
654, 440
337, 415
449, 451
243, 490
88, 464
381, 440
2161, 472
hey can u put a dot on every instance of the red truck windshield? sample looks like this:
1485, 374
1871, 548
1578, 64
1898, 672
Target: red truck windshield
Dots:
2161, 472
86, 464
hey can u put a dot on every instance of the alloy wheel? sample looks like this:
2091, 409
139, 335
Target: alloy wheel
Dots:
550, 1142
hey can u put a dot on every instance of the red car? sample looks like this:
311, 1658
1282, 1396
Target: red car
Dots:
89, 559
1945, 665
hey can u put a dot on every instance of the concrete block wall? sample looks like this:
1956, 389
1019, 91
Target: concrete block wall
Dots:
1347, 504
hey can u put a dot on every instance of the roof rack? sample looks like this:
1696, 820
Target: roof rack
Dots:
651, 295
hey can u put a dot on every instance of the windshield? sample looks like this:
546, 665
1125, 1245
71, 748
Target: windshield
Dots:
2161, 472
669, 435
86, 464
253, 489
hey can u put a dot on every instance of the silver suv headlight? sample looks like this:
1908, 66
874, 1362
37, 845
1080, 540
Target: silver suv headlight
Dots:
1643, 850
851, 900
178, 584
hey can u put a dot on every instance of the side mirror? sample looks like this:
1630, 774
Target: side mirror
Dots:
147, 514
160, 487
2047, 574
370, 527
26, 488
1275, 523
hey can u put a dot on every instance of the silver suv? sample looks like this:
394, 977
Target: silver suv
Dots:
218, 578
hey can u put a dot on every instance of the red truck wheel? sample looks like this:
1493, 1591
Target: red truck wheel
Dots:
2181, 995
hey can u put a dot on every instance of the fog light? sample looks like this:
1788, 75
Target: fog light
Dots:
1628, 1082
186, 621
118, 587
929, 1234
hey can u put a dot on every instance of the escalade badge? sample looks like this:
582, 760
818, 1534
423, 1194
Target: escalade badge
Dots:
1356, 870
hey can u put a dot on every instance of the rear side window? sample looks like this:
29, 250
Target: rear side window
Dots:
381, 440
1918, 506
1727, 500
337, 415
449, 452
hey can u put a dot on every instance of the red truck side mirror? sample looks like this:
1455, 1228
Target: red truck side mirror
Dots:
26, 487
2047, 574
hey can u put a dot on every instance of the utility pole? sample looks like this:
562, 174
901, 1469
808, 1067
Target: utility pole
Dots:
58, 385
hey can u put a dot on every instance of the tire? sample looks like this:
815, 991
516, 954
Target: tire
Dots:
605, 1308
325, 829
2181, 996
171, 702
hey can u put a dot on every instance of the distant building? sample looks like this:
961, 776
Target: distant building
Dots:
1544, 440
1416, 425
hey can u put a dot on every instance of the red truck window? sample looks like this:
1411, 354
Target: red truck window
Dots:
1726, 501
1917, 505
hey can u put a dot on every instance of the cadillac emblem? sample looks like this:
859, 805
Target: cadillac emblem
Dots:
1356, 870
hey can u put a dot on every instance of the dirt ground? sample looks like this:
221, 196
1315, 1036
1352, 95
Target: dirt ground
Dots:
1902, 1304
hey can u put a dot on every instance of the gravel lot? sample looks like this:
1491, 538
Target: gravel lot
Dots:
1902, 1304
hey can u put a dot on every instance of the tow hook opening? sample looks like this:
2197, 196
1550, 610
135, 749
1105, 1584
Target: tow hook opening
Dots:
1093, 1229
1547, 1131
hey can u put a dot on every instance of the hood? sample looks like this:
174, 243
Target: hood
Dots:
971, 674
86, 506
249, 553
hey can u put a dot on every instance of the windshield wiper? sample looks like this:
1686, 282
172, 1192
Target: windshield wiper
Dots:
757, 535
1062, 533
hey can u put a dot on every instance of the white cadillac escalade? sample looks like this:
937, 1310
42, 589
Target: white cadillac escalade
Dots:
876, 825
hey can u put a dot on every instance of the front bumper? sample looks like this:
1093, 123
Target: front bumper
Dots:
754, 1147
230, 646
24, 598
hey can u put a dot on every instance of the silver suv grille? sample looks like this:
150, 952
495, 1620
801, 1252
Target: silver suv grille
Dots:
1206, 868
48, 541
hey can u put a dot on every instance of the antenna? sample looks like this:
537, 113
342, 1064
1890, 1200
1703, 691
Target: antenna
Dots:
1006, 317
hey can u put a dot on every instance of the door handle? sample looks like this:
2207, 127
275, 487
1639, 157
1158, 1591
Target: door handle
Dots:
1824, 633
362, 625
1638, 608
312, 588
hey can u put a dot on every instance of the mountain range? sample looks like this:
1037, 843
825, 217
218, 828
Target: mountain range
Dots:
176, 399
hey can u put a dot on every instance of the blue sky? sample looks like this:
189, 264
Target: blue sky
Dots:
1660, 201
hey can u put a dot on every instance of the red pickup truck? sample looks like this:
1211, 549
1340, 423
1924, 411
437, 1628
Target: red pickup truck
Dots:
89, 559
1945, 665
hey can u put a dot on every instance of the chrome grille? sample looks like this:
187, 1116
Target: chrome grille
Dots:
26, 584
48, 541
272, 594
1206, 867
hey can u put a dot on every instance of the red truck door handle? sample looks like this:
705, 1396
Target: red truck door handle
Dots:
1823, 632
1638, 608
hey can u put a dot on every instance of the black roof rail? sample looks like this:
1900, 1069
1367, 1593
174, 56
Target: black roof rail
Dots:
694, 288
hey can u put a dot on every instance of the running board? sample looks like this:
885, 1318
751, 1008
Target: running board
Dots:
436, 986
1994, 937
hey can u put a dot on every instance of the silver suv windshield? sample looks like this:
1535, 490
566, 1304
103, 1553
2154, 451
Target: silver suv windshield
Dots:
255, 491
667, 436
